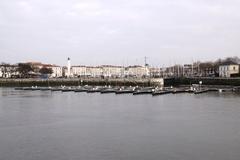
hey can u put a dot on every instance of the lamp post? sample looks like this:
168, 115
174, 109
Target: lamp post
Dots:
200, 84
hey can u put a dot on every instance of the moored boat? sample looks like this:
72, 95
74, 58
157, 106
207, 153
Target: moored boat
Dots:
176, 91
56, 89
18, 88
200, 91
82, 89
161, 92
144, 91
45, 88
27, 88
124, 91
108, 90
68, 89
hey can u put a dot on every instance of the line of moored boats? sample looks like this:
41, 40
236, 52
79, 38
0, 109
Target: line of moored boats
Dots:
127, 90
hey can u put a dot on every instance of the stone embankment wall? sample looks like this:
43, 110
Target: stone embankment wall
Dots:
76, 82
205, 81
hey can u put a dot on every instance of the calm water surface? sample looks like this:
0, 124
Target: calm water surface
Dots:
40, 125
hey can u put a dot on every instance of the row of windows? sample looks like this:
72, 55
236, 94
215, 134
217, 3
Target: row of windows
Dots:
226, 68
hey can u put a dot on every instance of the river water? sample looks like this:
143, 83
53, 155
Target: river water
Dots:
40, 125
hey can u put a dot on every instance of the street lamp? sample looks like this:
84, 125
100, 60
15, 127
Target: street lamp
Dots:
200, 83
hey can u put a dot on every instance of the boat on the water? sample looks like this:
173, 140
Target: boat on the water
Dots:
27, 88
236, 89
18, 88
161, 92
200, 91
68, 89
83, 88
176, 91
123, 90
56, 89
108, 90
95, 89
147, 90
45, 88
33, 88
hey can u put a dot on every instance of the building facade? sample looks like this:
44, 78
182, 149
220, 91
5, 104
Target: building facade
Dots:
112, 71
57, 71
137, 71
228, 70
8, 71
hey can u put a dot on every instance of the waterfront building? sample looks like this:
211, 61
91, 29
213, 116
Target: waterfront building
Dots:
137, 71
8, 71
155, 72
228, 70
92, 71
112, 71
86, 71
57, 71
208, 69
79, 71
190, 70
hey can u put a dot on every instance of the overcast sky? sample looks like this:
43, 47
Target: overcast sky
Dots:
120, 32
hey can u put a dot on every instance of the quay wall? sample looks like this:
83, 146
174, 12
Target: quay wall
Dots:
118, 82
76, 82
205, 81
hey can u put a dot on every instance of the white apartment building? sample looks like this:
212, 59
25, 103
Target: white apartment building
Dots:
1, 72
79, 71
228, 70
8, 71
137, 71
112, 71
57, 71
98, 71
92, 71
86, 71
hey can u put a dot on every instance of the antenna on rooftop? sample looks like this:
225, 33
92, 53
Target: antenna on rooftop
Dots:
145, 61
